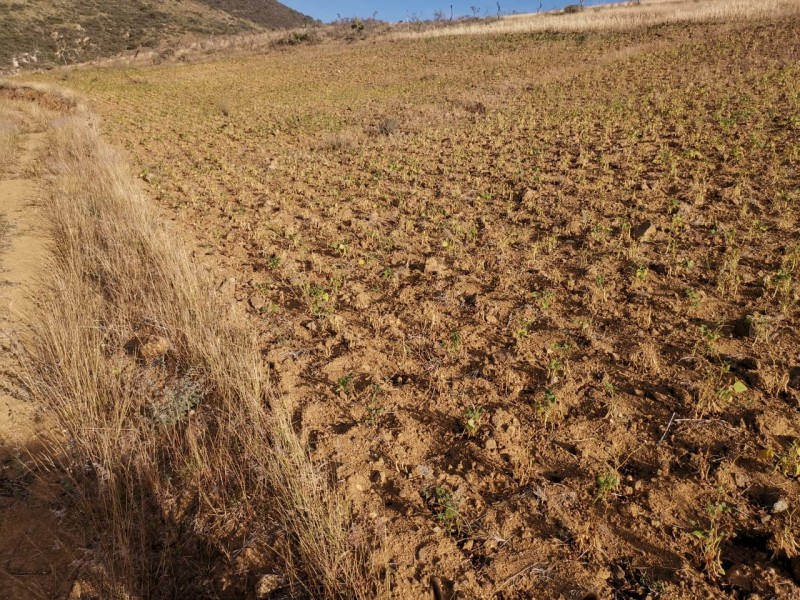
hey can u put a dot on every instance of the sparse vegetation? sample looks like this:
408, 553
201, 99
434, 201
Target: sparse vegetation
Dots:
711, 537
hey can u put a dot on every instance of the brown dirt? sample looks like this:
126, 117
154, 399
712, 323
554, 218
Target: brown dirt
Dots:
34, 560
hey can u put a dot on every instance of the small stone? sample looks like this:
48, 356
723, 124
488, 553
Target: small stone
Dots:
358, 483
780, 506
741, 479
266, 585
490, 444
147, 347
468, 545
639, 485
644, 231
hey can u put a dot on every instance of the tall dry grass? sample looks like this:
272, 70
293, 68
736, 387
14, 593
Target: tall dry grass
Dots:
9, 137
172, 455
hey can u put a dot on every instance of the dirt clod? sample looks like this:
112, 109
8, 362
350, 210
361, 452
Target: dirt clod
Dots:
267, 585
643, 232
147, 347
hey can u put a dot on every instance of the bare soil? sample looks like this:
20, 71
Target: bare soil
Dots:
34, 559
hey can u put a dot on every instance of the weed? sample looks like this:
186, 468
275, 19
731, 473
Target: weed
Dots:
709, 336
786, 461
692, 296
372, 414
606, 482
780, 282
444, 506
609, 388
711, 539
548, 406
454, 340
555, 367
317, 298
344, 383
717, 390
544, 299
474, 419
728, 277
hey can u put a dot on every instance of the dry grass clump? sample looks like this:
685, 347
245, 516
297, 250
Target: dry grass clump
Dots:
166, 425
8, 142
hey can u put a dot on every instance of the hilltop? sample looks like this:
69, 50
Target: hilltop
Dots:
46, 32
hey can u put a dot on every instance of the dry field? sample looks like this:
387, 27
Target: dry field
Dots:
531, 299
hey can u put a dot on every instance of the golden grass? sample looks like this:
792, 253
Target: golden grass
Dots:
612, 17
171, 456
8, 143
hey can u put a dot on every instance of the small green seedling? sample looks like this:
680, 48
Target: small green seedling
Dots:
473, 420
444, 506
607, 482
711, 539
344, 383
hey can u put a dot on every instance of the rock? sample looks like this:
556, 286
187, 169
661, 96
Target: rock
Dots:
780, 506
643, 232
266, 585
490, 444
147, 347
358, 483
741, 479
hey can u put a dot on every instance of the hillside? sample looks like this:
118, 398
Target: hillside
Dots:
67, 31
267, 13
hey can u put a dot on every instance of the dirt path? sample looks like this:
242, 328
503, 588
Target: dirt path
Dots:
33, 560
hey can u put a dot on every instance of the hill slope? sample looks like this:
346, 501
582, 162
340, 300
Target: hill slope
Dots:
67, 31
267, 13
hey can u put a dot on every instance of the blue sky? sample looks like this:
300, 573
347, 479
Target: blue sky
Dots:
326, 10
